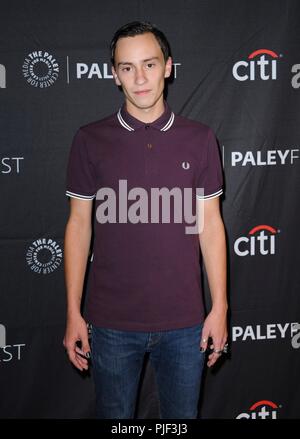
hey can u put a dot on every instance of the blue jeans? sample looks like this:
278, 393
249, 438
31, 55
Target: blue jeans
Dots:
117, 359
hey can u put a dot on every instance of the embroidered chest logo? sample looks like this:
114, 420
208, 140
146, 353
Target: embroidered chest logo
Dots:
185, 165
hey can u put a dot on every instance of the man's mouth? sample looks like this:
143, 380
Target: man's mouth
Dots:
141, 92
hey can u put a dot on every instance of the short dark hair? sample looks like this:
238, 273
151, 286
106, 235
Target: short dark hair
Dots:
139, 28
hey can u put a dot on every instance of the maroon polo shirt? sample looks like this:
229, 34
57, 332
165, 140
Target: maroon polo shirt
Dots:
145, 276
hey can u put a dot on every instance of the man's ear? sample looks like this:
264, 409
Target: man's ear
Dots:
168, 67
117, 81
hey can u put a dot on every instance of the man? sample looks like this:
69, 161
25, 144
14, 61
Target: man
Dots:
145, 285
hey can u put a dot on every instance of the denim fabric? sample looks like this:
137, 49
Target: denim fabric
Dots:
117, 359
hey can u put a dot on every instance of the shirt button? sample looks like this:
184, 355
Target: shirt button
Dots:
147, 126
149, 145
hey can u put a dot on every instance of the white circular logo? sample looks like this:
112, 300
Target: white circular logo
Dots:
44, 256
40, 69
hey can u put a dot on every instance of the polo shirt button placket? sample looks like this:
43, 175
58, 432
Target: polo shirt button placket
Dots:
149, 145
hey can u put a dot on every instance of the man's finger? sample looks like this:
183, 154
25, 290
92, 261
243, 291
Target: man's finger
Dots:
204, 341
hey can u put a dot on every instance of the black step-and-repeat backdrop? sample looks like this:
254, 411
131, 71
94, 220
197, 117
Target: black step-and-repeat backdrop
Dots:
237, 69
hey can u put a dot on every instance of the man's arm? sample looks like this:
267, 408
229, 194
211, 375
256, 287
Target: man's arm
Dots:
76, 248
213, 248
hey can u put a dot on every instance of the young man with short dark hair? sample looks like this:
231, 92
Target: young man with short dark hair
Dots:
145, 286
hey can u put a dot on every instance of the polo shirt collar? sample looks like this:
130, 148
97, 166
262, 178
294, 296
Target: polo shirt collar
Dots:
130, 123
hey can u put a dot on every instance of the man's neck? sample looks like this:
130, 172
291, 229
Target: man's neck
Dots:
146, 115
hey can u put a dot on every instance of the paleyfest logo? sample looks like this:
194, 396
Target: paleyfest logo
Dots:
44, 256
9, 352
267, 331
40, 69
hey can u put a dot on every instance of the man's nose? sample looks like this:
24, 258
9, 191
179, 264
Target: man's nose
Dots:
140, 77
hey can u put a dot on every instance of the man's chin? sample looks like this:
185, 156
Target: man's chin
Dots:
144, 102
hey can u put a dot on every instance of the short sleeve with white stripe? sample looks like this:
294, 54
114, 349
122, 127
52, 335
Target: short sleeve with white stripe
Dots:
80, 173
210, 179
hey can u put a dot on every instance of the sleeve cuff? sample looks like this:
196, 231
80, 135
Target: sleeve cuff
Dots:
79, 196
210, 196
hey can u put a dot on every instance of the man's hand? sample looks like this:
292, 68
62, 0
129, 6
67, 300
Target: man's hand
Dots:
77, 333
214, 328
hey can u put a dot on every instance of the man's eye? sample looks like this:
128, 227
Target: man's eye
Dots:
150, 65
125, 69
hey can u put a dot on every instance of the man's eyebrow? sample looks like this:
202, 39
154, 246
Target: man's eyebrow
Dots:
150, 59
127, 63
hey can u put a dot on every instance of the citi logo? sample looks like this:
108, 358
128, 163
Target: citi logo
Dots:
261, 410
261, 240
258, 66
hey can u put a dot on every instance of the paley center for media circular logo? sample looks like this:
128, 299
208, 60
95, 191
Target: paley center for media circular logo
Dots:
44, 256
40, 69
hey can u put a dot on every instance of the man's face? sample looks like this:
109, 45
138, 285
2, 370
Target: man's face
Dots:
140, 70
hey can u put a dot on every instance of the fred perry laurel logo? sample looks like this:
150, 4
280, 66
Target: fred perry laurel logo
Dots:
185, 165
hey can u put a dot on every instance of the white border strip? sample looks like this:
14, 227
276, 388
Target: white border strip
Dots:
79, 196
214, 195
123, 123
169, 123
129, 128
